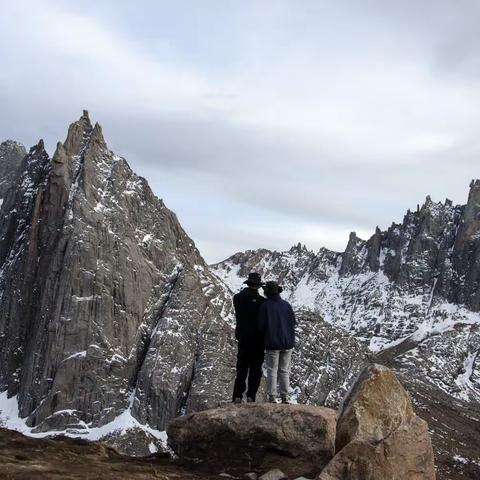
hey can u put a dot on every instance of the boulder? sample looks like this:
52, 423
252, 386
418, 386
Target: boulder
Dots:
376, 405
379, 435
298, 439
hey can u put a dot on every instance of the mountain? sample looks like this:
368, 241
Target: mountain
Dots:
111, 322
411, 295
109, 316
418, 276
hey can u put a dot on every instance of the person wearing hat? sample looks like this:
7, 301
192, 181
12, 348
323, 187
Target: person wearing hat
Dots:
250, 339
277, 320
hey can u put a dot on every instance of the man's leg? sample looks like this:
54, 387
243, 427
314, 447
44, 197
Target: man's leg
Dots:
254, 372
242, 372
271, 357
284, 372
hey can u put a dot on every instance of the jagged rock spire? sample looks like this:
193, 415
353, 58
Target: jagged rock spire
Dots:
78, 133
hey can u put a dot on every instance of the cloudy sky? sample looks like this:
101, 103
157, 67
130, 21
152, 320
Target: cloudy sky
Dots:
260, 123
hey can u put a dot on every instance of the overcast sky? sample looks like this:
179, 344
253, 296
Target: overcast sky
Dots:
260, 123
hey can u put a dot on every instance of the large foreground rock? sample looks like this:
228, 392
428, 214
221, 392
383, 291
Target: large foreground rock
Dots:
379, 437
298, 439
375, 407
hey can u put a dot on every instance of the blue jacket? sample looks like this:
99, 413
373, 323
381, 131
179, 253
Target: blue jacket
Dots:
277, 320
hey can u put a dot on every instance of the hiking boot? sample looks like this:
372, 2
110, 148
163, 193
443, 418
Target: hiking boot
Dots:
285, 400
237, 400
250, 400
271, 399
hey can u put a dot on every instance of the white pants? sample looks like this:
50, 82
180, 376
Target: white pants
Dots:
278, 370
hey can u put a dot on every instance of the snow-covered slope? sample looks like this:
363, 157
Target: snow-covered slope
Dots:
419, 278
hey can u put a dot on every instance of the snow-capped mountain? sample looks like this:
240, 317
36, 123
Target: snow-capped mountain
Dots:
419, 277
411, 294
111, 323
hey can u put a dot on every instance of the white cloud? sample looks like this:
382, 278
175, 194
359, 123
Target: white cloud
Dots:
292, 122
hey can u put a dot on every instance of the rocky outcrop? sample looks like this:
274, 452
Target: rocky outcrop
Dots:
378, 434
11, 155
375, 407
73, 459
106, 305
297, 439
325, 362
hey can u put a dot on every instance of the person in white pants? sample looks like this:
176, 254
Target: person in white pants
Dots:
278, 370
277, 321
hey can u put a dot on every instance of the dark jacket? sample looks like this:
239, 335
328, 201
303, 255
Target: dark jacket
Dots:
277, 320
247, 304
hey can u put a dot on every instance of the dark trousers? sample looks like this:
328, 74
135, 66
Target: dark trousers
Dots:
249, 364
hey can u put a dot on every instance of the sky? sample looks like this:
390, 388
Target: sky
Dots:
260, 123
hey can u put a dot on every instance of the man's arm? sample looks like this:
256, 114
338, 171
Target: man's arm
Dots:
292, 315
236, 307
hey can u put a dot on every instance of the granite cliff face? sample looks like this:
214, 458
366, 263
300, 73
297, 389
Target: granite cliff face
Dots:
106, 306
11, 155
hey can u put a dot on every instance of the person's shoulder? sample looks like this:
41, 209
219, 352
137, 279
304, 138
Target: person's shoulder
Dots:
287, 303
241, 293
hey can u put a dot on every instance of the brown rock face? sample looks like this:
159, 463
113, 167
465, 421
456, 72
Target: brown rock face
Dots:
405, 455
62, 458
379, 435
375, 407
297, 439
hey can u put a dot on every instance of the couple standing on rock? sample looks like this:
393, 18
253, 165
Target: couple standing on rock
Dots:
265, 329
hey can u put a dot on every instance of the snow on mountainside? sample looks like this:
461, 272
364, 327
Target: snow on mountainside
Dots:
412, 295
417, 278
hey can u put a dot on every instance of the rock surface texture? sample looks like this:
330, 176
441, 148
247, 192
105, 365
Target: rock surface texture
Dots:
11, 155
297, 439
108, 313
378, 435
25, 458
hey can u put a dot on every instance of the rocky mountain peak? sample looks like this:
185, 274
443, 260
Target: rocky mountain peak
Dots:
78, 134
300, 248
107, 308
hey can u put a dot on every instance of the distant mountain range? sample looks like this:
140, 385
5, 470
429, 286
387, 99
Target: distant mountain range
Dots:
411, 294
111, 322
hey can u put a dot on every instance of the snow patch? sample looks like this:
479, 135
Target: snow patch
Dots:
10, 419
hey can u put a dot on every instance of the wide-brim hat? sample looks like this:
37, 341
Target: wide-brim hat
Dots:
254, 279
272, 288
